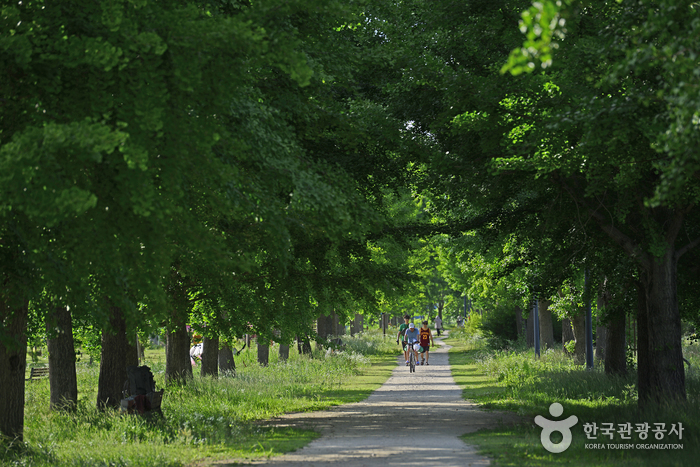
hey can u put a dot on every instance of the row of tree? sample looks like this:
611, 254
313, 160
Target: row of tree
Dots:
248, 166
572, 147
163, 163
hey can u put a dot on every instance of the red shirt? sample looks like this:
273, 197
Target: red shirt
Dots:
424, 337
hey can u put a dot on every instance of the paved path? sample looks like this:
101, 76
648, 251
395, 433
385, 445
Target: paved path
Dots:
414, 419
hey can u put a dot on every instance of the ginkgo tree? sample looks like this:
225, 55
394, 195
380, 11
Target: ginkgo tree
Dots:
110, 170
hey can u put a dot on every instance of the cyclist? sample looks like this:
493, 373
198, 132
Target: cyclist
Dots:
426, 340
400, 335
411, 337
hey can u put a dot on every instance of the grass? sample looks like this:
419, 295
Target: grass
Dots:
206, 420
517, 381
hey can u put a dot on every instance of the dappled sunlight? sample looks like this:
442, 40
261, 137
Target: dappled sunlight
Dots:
413, 419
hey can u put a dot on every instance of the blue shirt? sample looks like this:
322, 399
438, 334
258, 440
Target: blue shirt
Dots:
412, 335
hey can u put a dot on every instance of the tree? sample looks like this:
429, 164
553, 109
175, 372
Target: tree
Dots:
112, 113
587, 135
629, 144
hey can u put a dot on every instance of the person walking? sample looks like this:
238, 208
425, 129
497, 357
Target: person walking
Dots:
438, 325
426, 340
402, 335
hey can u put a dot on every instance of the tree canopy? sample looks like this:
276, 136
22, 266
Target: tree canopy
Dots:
249, 166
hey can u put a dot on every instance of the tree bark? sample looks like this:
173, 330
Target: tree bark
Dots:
567, 334
661, 371
113, 361
667, 373
227, 363
284, 352
601, 342
210, 357
13, 363
263, 353
616, 345
324, 324
546, 326
530, 329
519, 321
178, 368
579, 324
304, 345
643, 354
359, 323
62, 375
132, 351
336, 330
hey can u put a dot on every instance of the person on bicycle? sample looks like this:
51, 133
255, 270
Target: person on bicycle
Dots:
400, 335
426, 340
412, 336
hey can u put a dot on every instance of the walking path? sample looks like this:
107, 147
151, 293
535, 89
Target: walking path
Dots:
414, 419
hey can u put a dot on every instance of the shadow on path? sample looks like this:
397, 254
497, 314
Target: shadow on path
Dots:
414, 419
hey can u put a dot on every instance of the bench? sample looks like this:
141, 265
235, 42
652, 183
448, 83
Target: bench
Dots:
38, 372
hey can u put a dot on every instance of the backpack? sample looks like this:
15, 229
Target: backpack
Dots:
140, 380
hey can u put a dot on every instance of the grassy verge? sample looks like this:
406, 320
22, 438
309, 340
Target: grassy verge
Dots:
206, 420
519, 382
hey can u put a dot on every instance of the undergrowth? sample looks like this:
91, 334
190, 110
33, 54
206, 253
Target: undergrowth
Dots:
207, 417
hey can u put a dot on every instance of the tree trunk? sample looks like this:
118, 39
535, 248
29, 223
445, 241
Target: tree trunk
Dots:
132, 351
616, 345
324, 324
661, 372
519, 321
530, 329
336, 331
210, 357
601, 341
546, 326
667, 373
178, 367
579, 324
113, 361
359, 323
62, 376
227, 364
284, 352
643, 354
304, 345
567, 334
263, 353
13, 363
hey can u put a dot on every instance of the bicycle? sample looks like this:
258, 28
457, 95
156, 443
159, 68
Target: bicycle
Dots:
412, 360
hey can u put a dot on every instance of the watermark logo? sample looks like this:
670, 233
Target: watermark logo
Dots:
550, 426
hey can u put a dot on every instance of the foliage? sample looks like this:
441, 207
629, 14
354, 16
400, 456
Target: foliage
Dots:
470, 335
517, 381
499, 325
372, 342
209, 417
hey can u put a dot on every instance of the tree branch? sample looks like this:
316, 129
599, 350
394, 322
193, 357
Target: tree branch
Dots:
687, 247
621, 239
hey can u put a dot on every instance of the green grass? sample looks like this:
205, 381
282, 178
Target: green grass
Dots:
205, 420
517, 381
